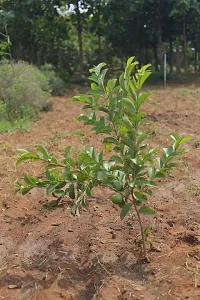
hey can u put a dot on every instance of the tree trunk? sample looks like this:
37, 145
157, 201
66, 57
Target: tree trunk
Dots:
19, 51
121, 60
139, 57
60, 64
160, 42
147, 55
195, 59
99, 18
33, 54
184, 44
99, 41
198, 64
39, 56
80, 40
178, 64
156, 56
171, 54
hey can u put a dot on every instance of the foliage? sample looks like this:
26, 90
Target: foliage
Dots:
71, 34
56, 84
24, 90
4, 45
132, 168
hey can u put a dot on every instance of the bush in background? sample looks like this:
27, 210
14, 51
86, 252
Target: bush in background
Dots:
24, 91
57, 85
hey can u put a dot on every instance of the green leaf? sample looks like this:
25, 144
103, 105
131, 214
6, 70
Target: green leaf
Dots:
88, 191
94, 87
146, 231
49, 175
143, 78
145, 210
151, 172
168, 151
94, 92
67, 150
81, 98
27, 156
182, 140
94, 78
43, 184
127, 122
102, 175
84, 158
69, 161
133, 93
107, 147
71, 191
117, 159
141, 139
44, 152
128, 106
81, 177
83, 118
51, 188
140, 196
123, 130
22, 151
149, 192
92, 152
129, 61
111, 85
126, 208
111, 140
160, 175
142, 98
151, 182
100, 157
27, 189
30, 179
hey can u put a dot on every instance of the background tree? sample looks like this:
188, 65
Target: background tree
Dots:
72, 34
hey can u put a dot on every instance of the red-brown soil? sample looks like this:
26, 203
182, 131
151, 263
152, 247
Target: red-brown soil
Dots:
51, 255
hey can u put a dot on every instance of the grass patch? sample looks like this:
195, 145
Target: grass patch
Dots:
185, 92
12, 126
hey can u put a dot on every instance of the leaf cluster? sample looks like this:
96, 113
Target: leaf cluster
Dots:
132, 168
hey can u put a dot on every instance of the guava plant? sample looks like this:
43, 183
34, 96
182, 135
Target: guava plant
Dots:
132, 167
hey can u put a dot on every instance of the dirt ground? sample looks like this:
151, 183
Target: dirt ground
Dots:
51, 255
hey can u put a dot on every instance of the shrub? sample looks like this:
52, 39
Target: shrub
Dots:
132, 168
23, 87
57, 85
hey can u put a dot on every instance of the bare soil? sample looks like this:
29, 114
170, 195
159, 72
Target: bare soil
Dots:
51, 255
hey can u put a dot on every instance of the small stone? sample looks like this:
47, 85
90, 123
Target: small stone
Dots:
56, 224
13, 286
156, 249
70, 230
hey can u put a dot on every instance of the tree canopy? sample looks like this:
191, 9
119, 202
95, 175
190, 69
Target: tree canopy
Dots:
72, 34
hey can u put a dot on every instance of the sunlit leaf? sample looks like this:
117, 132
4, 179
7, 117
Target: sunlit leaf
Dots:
125, 209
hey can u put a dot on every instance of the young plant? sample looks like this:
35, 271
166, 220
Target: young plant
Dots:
132, 167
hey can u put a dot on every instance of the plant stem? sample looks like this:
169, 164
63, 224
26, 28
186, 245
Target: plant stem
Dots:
142, 231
